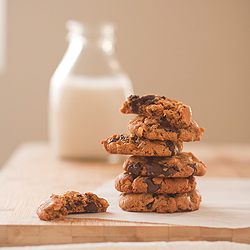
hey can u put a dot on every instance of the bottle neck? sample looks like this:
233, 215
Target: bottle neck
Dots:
100, 36
93, 47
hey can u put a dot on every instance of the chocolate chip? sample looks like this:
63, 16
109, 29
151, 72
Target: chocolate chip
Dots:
147, 98
91, 207
132, 97
136, 102
152, 187
149, 206
153, 168
135, 169
149, 102
193, 166
169, 171
171, 147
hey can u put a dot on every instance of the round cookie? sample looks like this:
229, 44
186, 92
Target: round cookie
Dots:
154, 129
133, 145
182, 165
155, 106
128, 184
160, 203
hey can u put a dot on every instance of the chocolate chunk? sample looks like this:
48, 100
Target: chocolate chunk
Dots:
135, 169
149, 206
147, 99
91, 207
132, 97
164, 125
153, 168
193, 166
171, 147
135, 108
152, 187
136, 102
169, 171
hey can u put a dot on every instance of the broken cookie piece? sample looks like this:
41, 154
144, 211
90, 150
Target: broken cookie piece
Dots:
176, 113
70, 202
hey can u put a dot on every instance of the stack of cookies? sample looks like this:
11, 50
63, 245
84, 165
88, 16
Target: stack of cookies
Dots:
157, 176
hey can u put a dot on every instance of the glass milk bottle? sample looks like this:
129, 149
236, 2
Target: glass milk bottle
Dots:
86, 93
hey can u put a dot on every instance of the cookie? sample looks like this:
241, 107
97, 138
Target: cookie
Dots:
128, 184
154, 129
182, 165
160, 203
133, 145
70, 202
155, 106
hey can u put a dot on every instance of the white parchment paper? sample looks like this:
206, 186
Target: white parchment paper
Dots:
225, 204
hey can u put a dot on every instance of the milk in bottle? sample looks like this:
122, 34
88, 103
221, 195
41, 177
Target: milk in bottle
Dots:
86, 93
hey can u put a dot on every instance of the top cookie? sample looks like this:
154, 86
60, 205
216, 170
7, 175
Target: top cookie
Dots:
155, 106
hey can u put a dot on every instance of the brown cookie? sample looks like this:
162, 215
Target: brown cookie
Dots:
128, 184
182, 165
154, 129
70, 202
155, 106
160, 203
132, 145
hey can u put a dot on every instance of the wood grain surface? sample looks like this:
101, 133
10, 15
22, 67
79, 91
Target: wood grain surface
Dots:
34, 172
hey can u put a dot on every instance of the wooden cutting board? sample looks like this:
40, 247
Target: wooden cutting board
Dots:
33, 173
